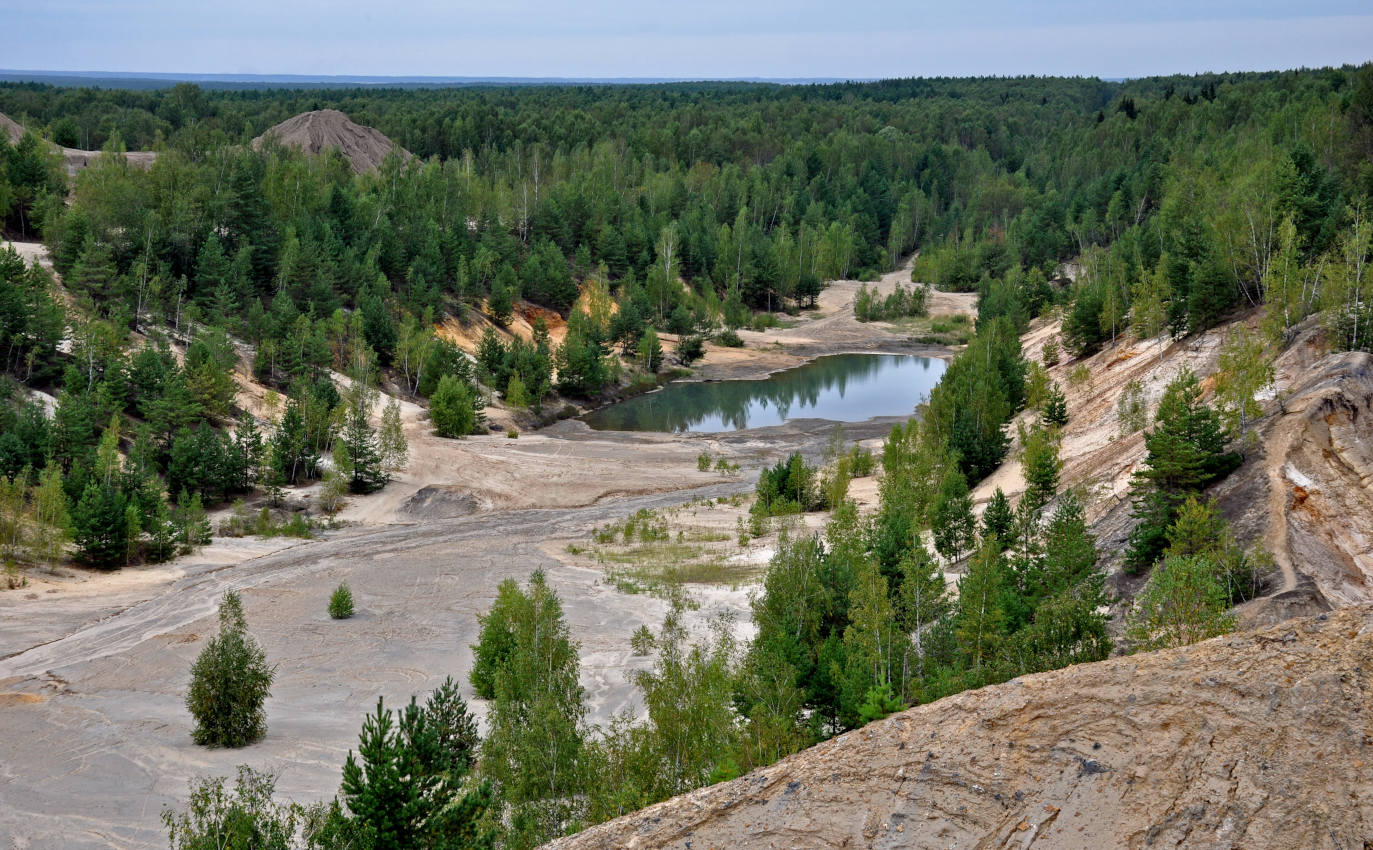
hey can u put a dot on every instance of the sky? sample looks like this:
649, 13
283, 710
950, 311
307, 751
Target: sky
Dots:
694, 39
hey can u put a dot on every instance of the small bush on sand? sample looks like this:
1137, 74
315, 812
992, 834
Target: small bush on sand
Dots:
341, 603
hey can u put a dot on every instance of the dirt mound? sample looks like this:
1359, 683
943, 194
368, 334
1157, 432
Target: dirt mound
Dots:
13, 130
325, 129
1248, 741
439, 503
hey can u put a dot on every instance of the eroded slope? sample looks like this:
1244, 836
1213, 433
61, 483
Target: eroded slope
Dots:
1254, 740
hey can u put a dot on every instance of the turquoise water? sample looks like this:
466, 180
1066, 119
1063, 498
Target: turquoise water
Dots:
840, 387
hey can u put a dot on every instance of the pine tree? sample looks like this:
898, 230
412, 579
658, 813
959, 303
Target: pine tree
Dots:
998, 519
230, 682
367, 471
1039, 447
951, 516
1186, 454
1056, 407
99, 526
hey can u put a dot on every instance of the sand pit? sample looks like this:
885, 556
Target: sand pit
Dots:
93, 666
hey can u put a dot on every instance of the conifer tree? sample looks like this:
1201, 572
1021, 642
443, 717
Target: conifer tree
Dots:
998, 520
951, 516
1186, 454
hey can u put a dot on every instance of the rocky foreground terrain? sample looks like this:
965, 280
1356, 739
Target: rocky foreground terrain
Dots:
1261, 739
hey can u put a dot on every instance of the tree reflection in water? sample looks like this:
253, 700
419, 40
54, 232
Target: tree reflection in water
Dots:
840, 387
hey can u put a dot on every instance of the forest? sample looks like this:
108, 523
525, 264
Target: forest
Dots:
1155, 207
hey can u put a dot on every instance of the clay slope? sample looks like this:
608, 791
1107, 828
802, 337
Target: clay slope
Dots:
1255, 740
13, 131
325, 129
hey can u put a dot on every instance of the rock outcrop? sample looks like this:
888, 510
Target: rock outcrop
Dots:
328, 129
1255, 740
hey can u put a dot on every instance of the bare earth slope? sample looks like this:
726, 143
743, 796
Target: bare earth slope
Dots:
13, 131
325, 129
1248, 741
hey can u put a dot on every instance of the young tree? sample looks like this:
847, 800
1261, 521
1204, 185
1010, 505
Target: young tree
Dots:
1055, 407
650, 350
979, 618
1182, 604
1243, 369
230, 682
1186, 454
922, 602
405, 788
395, 450
873, 648
1039, 455
451, 408
248, 818
951, 516
367, 470
534, 748
998, 519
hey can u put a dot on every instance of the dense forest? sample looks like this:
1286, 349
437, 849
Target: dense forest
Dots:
1155, 207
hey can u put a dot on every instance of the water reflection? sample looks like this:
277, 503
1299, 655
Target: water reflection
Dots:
841, 387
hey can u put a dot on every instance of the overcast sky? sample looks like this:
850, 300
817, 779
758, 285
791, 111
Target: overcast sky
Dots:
695, 38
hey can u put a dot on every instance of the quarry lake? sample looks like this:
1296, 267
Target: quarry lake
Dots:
839, 387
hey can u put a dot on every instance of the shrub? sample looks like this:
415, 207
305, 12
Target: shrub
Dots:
341, 603
729, 339
1080, 375
512, 434
861, 461
230, 682
1051, 352
788, 488
690, 349
703, 461
1132, 411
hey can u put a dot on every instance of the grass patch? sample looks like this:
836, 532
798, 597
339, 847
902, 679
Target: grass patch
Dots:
946, 329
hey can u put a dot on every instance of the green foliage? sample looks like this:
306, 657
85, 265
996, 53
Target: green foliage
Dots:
868, 306
787, 488
341, 603
230, 682
534, 750
405, 787
1187, 453
1182, 603
1055, 407
452, 408
1132, 410
246, 818
650, 351
951, 516
1039, 457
